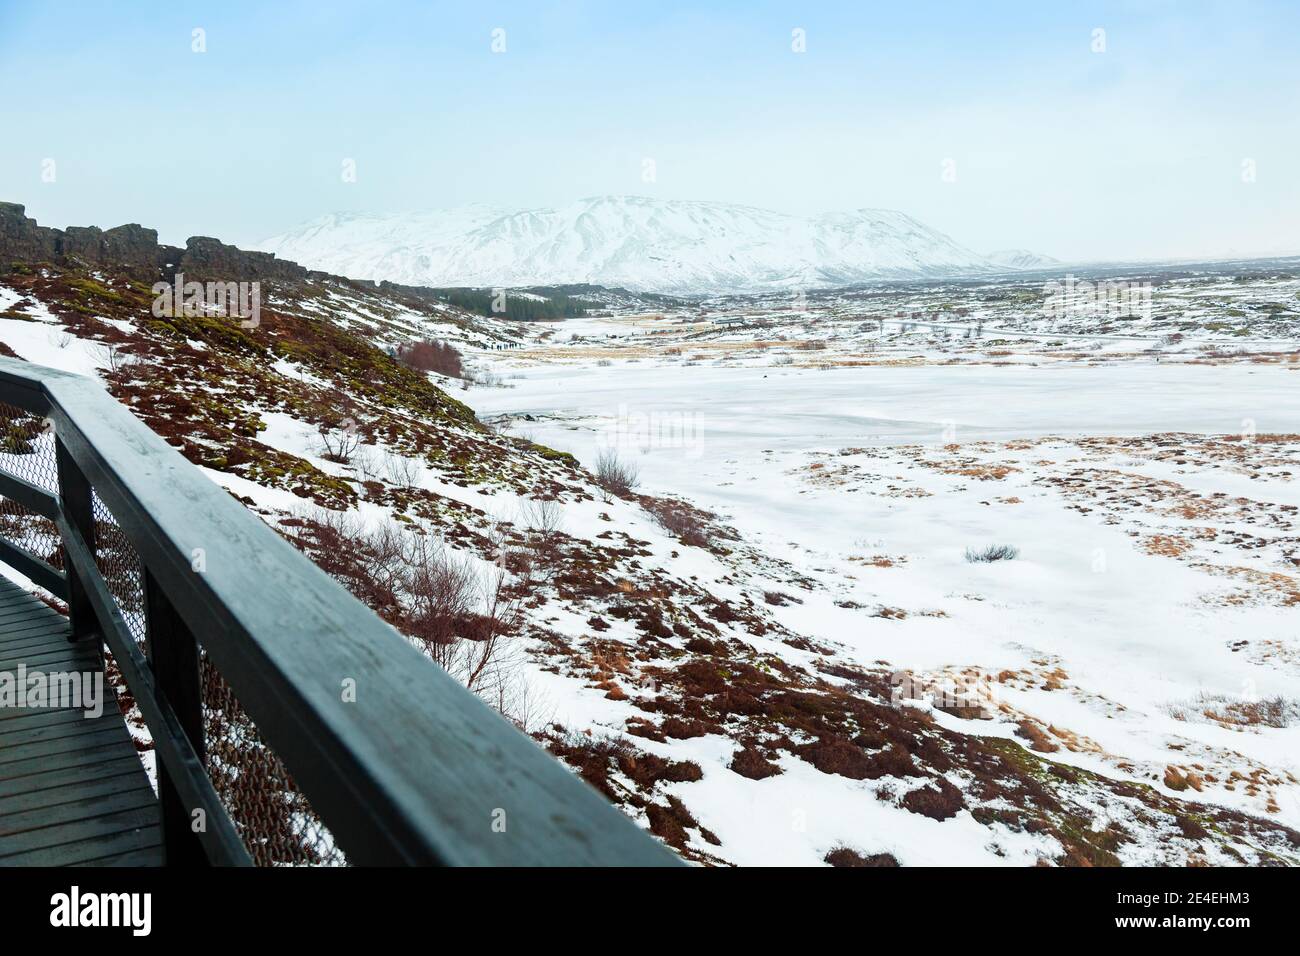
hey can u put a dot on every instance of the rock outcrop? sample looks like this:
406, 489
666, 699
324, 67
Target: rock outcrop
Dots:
134, 249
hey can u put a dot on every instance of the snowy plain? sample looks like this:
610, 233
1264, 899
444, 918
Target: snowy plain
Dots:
837, 471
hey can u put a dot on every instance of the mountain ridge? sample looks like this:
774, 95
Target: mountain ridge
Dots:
643, 244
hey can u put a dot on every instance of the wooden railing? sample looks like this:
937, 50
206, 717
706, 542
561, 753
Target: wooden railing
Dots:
399, 762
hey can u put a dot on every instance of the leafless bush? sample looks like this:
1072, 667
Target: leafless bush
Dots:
402, 471
994, 552
337, 444
461, 614
511, 694
439, 357
681, 522
543, 519
365, 463
614, 477
1236, 713
114, 357
440, 589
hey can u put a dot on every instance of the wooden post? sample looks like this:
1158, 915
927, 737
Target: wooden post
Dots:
174, 658
75, 499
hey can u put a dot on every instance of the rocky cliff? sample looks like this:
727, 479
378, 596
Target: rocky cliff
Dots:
133, 249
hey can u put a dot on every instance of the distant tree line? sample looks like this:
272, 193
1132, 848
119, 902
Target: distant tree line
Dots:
521, 308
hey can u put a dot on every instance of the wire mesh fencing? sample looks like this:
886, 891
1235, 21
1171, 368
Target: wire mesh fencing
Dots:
27, 452
273, 817
120, 567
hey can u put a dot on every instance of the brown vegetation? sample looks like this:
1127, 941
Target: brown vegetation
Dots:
439, 357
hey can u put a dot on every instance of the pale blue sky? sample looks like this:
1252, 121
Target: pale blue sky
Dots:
1134, 152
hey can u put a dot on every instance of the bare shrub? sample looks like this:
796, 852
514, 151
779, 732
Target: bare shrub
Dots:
1236, 713
614, 477
681, 521
543, 519
750, 762
439, 357
441, 595
337, 444
402, 471
994, 552
779, 598
843, 856
461, 612
383, 556
463, 616
339, 544
515, 699
938, 802
113, 357
365, 463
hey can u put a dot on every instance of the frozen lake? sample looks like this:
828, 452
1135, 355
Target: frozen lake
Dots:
1132, 629
682, 424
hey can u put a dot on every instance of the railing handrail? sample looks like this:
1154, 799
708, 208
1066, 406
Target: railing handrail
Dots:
415, 769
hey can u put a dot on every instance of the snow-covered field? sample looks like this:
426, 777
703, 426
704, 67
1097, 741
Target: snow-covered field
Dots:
1157, 539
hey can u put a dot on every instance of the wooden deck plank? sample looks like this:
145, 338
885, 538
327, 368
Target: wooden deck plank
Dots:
53, 639
31, 734
87, 786
109, 763
30, 616
147, 856
72, 789
79, 842
91, 852
52, 748
29, 629
51, 634
56, 662
50, 660
20, 719
106, 824
76, 811
80, 758
32, 620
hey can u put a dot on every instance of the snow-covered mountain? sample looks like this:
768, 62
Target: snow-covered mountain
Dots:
634, 242
1021, 259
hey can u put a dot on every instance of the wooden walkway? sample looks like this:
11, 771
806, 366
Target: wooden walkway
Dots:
72, 789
